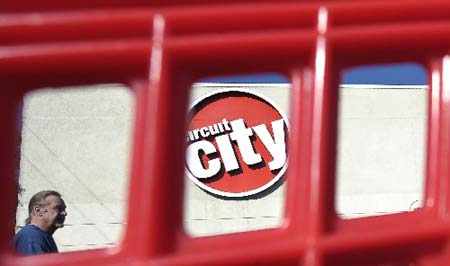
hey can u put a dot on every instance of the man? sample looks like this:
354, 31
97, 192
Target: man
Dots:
47, 212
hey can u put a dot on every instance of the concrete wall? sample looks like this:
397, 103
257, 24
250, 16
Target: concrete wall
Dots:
381, 150
78, 142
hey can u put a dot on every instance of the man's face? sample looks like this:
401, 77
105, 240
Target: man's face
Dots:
55, 213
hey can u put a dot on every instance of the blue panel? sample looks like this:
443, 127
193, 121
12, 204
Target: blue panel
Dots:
255, 78
398, 74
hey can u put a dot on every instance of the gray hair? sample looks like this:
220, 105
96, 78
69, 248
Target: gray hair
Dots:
39, 199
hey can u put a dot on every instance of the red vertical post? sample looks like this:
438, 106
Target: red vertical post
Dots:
9, 147
438, 171
157, 181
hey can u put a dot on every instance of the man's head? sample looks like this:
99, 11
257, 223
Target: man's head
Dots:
47, 210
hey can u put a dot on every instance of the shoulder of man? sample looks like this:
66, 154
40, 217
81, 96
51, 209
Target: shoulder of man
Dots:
30, 240
30, 231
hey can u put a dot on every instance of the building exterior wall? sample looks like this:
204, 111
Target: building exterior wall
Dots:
78, 142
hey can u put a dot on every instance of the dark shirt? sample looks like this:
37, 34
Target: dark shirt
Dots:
32, 240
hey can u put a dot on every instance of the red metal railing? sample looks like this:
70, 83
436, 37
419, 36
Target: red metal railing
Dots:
159, 48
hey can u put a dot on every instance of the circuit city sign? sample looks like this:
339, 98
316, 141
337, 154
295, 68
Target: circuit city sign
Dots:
236, 143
